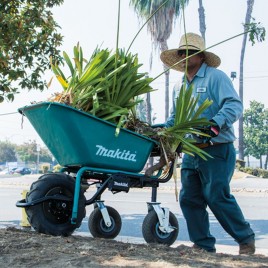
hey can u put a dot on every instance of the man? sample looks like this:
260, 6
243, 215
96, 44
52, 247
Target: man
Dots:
206, 182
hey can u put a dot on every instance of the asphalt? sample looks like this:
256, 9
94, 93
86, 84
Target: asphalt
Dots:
241, 183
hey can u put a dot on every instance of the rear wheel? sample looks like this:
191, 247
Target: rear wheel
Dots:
97, 226
54, 216
153, 234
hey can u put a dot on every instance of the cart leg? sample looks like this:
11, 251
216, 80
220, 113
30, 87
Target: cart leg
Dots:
162, 215
98, 197
76, 193
154, 194
104, 213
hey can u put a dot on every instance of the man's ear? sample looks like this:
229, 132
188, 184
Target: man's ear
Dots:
202, 56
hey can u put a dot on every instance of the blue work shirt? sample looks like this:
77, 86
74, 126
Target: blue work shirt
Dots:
213, 84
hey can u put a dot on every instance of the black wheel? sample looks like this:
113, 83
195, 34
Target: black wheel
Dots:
54, 216
152, 233
97, 226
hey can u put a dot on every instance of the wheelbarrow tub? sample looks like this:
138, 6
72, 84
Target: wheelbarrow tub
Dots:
76, 138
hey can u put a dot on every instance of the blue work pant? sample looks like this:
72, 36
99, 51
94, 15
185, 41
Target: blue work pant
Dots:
206, 183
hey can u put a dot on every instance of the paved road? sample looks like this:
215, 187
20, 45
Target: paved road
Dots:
250, 193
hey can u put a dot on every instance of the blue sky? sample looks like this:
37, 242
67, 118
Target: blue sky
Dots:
93, 23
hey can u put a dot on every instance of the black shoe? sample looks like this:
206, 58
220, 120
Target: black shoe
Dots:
247, 248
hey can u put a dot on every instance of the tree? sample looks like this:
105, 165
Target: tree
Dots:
250, 4
7, 152
28, 38
28, 152
256, 131
202, 22
142, 110
160, 27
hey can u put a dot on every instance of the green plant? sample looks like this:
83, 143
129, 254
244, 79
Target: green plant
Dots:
240, 163
263, 173
57, 168
258, 172
106, 86
45, 168
187, 120
29, 36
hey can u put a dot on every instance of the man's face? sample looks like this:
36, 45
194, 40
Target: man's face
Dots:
192, 62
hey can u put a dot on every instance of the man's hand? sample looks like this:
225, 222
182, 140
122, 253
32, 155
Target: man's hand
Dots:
214, 131
211, 130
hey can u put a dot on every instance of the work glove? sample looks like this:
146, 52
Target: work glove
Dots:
212, 130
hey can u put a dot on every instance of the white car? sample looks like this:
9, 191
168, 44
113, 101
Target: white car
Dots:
4, 171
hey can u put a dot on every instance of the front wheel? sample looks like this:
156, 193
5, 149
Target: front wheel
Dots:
152, 233
54, 216
97, 226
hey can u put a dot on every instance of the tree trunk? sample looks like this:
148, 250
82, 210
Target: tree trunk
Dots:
148, 108
164, 46
149, 120
166, 94
250, 4
202, 23
266, 162
261, 162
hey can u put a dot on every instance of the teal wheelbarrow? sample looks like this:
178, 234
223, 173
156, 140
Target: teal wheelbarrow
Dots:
92, 155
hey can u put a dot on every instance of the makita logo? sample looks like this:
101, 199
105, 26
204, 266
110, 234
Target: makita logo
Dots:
118, 154
123, 184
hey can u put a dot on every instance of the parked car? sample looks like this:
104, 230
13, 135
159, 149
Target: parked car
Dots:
23, 171
4, 171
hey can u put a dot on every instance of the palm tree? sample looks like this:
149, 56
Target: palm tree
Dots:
160, 26
202, 22
250, 4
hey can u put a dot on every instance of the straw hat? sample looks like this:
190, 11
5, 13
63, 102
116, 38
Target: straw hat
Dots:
194, 42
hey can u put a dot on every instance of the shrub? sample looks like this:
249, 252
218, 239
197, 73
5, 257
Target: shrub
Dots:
45, 168
263, 173
247, 170
240, 163
258, 172
57, 168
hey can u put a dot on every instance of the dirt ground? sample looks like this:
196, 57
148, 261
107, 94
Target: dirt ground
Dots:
26, 248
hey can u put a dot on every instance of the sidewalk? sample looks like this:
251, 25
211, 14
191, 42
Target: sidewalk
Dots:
18, 180
240, 182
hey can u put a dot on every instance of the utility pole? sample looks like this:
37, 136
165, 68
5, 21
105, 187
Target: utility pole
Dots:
38, 156
240, 127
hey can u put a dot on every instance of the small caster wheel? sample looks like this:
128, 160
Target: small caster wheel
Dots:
98, 227
153, 234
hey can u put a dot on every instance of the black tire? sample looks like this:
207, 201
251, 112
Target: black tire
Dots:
97, 226
54, 216
152, 233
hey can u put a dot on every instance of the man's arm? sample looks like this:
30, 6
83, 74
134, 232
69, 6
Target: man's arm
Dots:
231, 107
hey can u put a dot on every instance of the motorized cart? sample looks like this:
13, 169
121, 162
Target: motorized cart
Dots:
92, 155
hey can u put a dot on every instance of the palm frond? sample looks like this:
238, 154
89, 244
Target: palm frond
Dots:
187, 120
